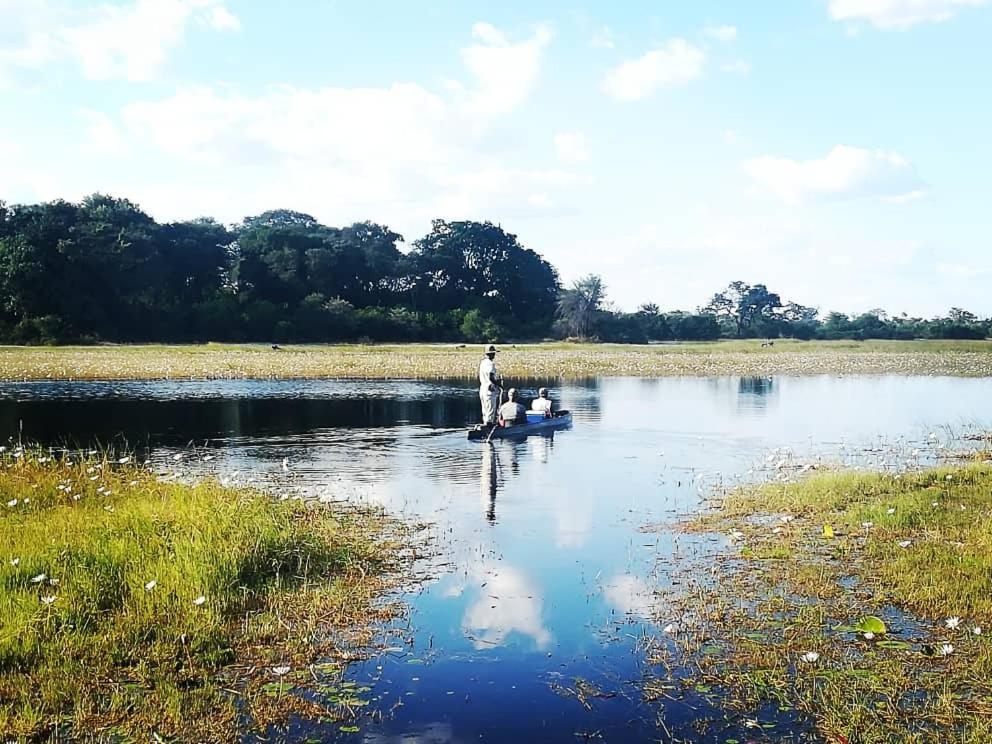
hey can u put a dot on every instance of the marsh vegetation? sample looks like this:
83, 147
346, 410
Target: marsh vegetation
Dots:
548, 361
859, 601
132, 607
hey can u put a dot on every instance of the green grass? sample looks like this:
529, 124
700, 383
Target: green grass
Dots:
913, 548
89, 645
548, 360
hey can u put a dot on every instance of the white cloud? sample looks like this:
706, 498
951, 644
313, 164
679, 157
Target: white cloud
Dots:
898, 14
630, 595
130, 41
676, 63
400, 152
505, 72
721, 33
571, 147
223, 20
846, 172
508, 604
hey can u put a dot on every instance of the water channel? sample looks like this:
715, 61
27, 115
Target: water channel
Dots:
544, 575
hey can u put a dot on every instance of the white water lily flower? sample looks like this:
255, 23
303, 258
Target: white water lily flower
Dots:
199, 600
39, 578
151, 585
934, 503
905, 543
952, 622
869, 636
47, 599
12, 503
946, 650
280, 671
976, 630
810, 657
949, 477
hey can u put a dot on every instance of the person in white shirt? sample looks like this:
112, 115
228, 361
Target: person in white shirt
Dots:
512, 412
490, 386
541, 403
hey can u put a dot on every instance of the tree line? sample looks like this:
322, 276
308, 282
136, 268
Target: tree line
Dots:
104, 270
748, 311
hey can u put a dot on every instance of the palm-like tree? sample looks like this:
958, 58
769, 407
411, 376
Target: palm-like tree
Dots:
578, 306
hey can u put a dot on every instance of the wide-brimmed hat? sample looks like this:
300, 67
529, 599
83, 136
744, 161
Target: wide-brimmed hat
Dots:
491, 349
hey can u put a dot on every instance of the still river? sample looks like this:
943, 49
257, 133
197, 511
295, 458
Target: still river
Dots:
545, 578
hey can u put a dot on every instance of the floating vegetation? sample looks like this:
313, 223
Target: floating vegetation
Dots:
871, 634
551, 360
135, 609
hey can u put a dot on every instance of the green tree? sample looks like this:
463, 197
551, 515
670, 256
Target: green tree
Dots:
473, 264
579, 305
741, 305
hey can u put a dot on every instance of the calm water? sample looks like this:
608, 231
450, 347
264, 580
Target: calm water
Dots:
544, 576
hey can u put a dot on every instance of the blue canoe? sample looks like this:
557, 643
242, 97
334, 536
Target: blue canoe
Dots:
560, 420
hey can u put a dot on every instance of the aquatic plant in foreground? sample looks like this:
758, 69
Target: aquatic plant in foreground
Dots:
132, 608
872, 634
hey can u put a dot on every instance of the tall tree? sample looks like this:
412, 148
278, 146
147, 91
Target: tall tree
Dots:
579, 305
460, 264
741, 304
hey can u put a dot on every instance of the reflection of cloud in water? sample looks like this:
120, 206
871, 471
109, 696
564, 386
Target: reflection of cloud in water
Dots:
631, 595
509, 603
573, 523
432, 733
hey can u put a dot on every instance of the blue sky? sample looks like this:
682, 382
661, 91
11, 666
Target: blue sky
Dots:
836, 150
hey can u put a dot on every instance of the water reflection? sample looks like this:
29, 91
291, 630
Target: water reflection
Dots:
488, 480
755, 393
506, 602
546, 573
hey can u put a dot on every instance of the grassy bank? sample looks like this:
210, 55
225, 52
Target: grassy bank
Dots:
551, 360
134, 608
862, 601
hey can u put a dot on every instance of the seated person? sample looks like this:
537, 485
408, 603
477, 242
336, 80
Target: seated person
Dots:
542, 404
512, 412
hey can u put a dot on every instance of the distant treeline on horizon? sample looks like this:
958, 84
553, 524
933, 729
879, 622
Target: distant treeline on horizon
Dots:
103, 270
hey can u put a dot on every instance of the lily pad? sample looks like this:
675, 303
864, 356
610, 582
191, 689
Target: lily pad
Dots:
897, 645
871, 624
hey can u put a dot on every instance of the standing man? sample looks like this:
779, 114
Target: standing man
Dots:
490, 385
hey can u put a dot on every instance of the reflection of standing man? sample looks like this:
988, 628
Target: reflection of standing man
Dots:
489, 386
488, 481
